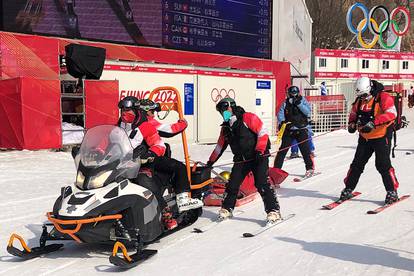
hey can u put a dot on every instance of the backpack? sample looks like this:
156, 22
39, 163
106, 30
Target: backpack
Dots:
400, 121
398, 102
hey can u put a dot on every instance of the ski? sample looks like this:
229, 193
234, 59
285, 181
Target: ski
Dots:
213, 224
339, 202
300, 179
382, 208
267, 227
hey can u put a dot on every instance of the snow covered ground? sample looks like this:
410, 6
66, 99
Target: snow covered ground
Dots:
343, 241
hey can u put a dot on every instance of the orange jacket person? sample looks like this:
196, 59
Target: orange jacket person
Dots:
373, 114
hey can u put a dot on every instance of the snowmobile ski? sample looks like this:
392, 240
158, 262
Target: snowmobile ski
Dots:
129, 261
30, 253
213, 224
339, 202
34, 252
300, 179
267, 227
382, 208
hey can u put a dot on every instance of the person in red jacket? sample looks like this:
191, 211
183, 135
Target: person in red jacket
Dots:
134, 120
170, 165
249, 142
164, 129
373, 114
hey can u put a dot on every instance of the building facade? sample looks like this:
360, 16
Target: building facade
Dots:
340, 68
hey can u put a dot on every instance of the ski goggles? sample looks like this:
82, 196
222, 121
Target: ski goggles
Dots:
222, 106
155, 107
126, 104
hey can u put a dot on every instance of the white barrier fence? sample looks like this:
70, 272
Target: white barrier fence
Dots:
328, 112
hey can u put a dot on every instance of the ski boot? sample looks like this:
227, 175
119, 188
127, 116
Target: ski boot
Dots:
185, 202
294, 155
346, 194
167, 219
309, 173
391, 197
273, 217
224, 214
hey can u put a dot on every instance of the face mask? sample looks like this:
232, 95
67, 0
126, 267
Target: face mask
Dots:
128, 116
227, 115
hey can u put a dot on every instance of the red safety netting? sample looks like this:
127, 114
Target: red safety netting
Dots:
30, 114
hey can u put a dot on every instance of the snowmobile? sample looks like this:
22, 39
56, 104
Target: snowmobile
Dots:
107, 204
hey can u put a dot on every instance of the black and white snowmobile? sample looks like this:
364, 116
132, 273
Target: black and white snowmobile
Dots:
107, 203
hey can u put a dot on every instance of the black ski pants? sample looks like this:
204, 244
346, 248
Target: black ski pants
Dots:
176, 168
146, 180
382, 148
260, 169
300, 135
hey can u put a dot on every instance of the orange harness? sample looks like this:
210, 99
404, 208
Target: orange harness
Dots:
371, 109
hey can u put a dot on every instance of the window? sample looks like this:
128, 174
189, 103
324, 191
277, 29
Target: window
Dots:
365, 64
344, 63
322, 62
385, 64
405, 65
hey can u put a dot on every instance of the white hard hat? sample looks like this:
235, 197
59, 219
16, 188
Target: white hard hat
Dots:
363, 86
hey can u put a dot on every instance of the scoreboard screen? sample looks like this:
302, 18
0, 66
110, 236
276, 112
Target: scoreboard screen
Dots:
241, 27
234, 27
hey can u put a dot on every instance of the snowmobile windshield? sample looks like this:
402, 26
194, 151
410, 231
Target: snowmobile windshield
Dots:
105, 145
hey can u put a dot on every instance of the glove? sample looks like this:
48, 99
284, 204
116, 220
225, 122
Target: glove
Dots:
368, 127
210, 164
147, 157
183, 121
287, 127
258, 156
351, 127
139, 151
280, 125
291, 100
297, 100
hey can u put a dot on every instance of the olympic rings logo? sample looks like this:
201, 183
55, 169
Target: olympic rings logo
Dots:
377, 30
217, 95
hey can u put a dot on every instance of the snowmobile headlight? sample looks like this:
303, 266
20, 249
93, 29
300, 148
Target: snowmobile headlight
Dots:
79, 179
99, 180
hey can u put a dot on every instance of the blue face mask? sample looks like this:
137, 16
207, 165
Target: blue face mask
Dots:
227, 115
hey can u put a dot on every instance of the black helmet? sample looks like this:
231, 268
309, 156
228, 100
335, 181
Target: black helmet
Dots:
224, 104
147, 105
293, 91
129, 102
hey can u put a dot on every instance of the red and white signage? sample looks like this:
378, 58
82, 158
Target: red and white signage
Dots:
363, 54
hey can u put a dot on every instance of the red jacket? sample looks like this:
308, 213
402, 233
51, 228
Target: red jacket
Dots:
145, 133
168, 130
241, 146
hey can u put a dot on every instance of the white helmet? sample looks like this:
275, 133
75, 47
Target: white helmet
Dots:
363, 86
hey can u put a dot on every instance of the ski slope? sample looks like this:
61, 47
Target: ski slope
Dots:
343, 241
